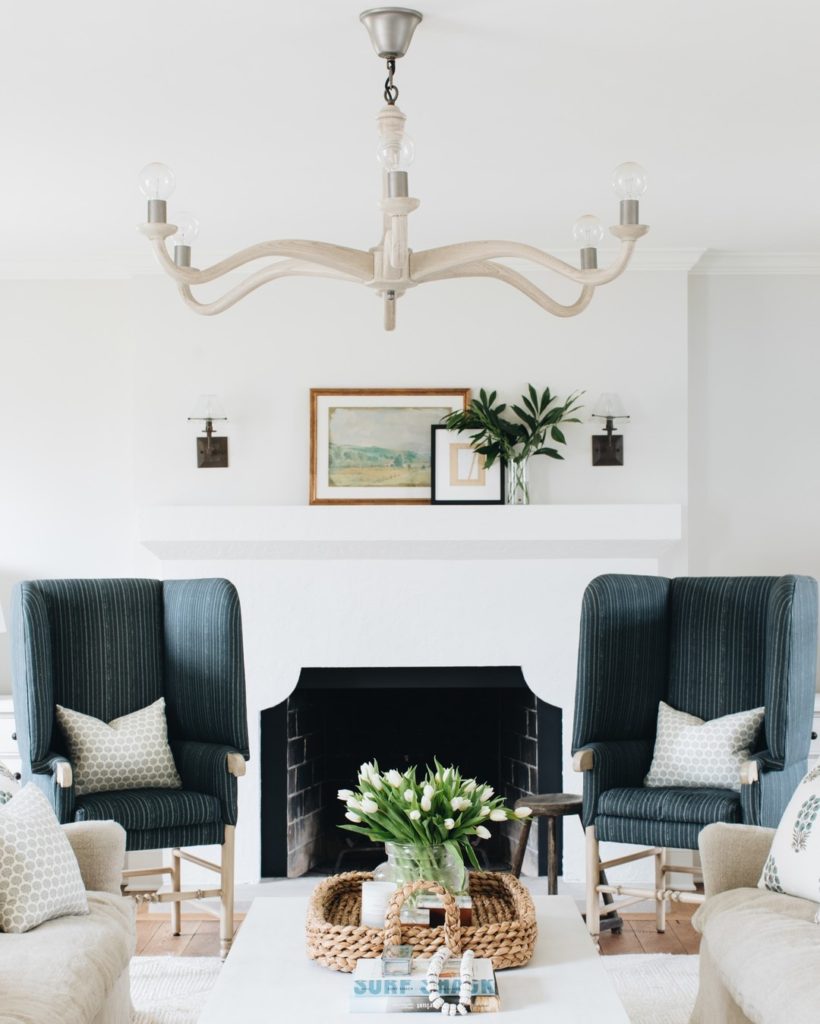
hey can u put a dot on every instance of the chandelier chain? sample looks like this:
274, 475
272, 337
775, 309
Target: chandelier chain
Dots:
391, 91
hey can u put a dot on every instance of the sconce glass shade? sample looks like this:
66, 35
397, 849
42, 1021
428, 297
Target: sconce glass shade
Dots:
208, 407
609, 407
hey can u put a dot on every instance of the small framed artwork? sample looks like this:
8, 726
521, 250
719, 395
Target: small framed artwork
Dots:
371, 446
460, 476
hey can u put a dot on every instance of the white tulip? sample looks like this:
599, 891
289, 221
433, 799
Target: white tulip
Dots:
426, 803
437, 777
487, 793
497, 814
408, 795
459, 803
470, 786
484, 811
345, 794
370, 806
523, 812
449, 823
354, 805
394, 778
428, 792
414, 815
376, 782
447, 773
353, 817
366, 769
482, 833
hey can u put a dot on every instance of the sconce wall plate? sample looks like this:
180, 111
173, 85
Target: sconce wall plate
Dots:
607, 450
213, 454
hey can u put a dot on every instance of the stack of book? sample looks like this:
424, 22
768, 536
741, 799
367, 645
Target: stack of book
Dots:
373, 993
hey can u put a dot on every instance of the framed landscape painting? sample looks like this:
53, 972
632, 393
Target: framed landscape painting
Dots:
371, 446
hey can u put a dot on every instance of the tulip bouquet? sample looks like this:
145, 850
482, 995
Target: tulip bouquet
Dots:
440, 810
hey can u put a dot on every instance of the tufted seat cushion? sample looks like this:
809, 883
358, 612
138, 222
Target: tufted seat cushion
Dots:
663, 817
692, 806
145, 809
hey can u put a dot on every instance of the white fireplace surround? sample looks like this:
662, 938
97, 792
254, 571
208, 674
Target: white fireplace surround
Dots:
407, 586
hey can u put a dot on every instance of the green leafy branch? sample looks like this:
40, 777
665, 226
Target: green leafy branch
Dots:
536, 425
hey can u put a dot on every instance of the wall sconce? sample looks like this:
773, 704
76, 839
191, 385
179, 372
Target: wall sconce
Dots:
608, 448
211, 452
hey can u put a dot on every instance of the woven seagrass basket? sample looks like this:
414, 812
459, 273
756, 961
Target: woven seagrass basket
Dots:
503, 929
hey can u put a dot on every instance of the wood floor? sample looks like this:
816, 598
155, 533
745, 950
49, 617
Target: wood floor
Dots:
200, 935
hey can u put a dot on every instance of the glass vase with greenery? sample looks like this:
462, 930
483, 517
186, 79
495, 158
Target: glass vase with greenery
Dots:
514, 441
427, 824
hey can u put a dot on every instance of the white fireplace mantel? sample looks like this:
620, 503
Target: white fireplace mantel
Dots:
182, 532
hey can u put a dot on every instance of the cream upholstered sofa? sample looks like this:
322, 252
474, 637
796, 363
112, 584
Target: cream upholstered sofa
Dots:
760, 950
74, 970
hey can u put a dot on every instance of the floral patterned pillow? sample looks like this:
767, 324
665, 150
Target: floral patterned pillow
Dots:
793, 864
8, 783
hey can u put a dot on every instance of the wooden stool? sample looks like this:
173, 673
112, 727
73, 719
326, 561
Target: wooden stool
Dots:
553, 806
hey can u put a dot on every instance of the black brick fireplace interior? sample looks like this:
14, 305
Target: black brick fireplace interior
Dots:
484, 720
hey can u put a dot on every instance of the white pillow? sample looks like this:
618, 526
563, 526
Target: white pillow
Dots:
39, 875
131, 752
694, 753
793, 864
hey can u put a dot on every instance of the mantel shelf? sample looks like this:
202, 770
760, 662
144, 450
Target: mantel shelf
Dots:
207, 533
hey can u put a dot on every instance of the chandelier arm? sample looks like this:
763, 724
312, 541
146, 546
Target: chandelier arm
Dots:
354, 263
284, 268
431, 263
509, 276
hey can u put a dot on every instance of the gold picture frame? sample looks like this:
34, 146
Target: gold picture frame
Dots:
371, 446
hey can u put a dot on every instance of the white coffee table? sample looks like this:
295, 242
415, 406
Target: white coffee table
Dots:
268, 977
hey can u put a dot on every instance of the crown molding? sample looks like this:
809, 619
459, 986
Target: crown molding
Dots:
719, 261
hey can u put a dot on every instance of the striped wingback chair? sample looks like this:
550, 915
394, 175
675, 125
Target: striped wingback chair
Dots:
710, 647
107, 648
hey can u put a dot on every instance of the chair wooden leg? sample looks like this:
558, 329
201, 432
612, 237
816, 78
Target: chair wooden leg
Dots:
227, 877
176, 882
593, 869
660, 885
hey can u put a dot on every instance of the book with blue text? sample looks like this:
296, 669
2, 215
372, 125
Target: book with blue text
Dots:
373, 993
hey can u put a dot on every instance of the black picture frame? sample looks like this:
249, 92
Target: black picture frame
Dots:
434, 500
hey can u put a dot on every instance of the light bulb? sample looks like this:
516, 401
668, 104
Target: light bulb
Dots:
588, 231
187, 228
396, 155
156, 181
629, 180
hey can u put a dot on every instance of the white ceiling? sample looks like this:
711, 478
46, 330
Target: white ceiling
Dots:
519, 110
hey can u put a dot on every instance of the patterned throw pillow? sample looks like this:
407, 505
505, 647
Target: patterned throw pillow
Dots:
793, 864
8, 784
39, 875
131, 752
692, 752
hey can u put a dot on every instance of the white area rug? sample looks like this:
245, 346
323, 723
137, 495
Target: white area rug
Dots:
171, 989
654, 988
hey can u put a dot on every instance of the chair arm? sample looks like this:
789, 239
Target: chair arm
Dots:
99, 847
732, 856
766, 788
610, 765
211, 768
54, 776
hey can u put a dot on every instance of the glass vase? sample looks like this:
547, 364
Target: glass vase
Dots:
518, 482
411, 862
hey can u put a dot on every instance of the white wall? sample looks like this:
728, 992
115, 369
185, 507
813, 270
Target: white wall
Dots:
754, 367
66, 463
98, 377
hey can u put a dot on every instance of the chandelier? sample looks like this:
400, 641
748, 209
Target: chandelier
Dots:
391, 267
